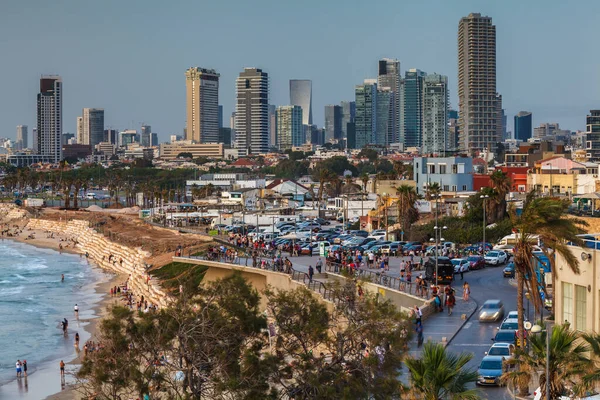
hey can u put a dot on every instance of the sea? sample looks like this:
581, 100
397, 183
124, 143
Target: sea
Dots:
33, 302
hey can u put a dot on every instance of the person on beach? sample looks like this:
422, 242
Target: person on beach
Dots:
62, 278
62, 368
76, 309
25, 368
18, 365
76, 339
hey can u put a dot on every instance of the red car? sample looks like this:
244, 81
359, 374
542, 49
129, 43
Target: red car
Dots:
477, 262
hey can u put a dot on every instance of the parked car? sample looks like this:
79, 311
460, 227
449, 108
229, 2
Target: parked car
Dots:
509, 270
509, 324
477, 262
377, 236
506, 350
490, 369
460, 265
492, 310
495, 257
505, 336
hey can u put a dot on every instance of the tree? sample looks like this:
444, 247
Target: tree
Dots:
407, 198
337, 165
370, 154
591, 376
364, 178
185, 155
545, 219
440, 374
567, 360
433, 190
502, 185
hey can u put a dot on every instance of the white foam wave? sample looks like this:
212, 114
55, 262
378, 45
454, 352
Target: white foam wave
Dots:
11, 291
4, 281
21, 277
32, 266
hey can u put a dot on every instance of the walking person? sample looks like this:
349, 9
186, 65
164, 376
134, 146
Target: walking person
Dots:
461, 273
418, 314
319, 265
419, 330
466, 291
18, 366
311, 272
450, 302
62, 368
25, 368
76, 310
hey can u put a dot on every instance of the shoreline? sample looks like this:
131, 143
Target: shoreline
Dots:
46, 375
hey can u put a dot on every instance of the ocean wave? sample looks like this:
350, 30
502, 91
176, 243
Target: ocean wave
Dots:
21, 277
11, 291
31, 266
4, 281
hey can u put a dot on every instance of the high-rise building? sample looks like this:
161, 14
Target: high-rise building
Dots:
22, 137
111, 136
301, 95
127, 137
49, 117
225, 137
366, 113
68, 138
154, 139
478, 99
389, 76
35, 138
146, 136
348, 115
412, 100
452, 136
333, 123
79, 130
92, 126
384, 116
351, 138
523, 126
272, 125
436, 101
592, 136
290, 131
220, 116
202, 105
252, 112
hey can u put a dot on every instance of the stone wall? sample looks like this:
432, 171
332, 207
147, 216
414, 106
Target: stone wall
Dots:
10, 212
124, 260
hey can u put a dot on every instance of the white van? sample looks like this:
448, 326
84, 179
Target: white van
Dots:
90, 196
512, 240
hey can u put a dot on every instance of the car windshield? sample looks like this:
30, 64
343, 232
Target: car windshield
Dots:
492, 254
491, 364
510, 325
499, 351
505, 336
473, 258
455, 262
490, 306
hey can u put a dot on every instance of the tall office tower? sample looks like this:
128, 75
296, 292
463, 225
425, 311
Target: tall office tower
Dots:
348, 114
452, 137
523, 125
384, 116
412, 100
366, 113
252, 112
67, 138
389, 76
128, 136
436, 103
22, 136
202, 105
146, 136
225, 137
504, 124
301, 95
154, 139
546, 129
111, 136
290, 131
333, 123
592, 135
49, 117
220, 116
232, 126
35, 138
93, 126
272, 125
79, 131
477, 95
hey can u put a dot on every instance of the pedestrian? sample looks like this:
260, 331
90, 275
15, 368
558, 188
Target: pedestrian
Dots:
25, 367
461, 273
418, 314
311, 272
62, 277
450, 302
76, 309
76, 339
419, 330
62, 368
319, 265
18, 365
466, 291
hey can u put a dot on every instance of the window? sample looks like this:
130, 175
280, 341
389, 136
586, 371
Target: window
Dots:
580, 303
461, 168
431, 168
442, 168
567, 290
464, 188
446, 188
454, 169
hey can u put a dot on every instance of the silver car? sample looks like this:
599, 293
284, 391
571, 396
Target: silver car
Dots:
492, 310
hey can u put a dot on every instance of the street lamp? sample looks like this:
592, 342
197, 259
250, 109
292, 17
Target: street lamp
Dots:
484, 197
537, 329
384, 198
437, 233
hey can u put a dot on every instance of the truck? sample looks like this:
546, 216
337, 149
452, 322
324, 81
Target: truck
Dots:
445, 270
31, 202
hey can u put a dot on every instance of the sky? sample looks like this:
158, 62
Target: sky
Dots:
129, 57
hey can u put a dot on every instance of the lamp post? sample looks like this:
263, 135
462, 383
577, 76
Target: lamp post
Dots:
536, 329
484, 197
384, 198
437, 233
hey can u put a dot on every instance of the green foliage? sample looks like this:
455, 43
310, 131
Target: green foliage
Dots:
370, 154
173, 273
461, 230
185, 155
298, 155
337, 165
288, 169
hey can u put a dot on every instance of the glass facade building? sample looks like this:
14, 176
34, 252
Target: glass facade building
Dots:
413, 107
366, 113
523, 126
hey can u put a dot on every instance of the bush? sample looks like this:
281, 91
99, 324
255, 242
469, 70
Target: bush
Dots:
171, 274
460, 231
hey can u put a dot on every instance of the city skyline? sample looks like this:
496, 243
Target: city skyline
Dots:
356, 60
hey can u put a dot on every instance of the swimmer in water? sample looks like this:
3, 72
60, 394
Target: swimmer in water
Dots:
62, 278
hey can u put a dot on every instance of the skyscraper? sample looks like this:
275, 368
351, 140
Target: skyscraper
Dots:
592, 135
154, 139
49, 117
79, 130
146, 136
22, 137
435, 114
111, 136
92, 126
252, 112
333, 123
384, 116
202, 105
366, 113
272, 125
412, 94
290, 131
220, 116
523, 126
452, 136
301, 95
348, 115
477, 96
389, 76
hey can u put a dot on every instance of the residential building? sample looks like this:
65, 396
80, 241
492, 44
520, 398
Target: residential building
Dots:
412, 100
333, 123
480, 121
436, 101
523, 126
592, 135
252, 112
348, 115
22, 137
272, 125
558, 175
453, 174
453, 132
290, 131
301, 95
79, 130
76, 151
389, 77
170, 151
49, 117
366, 113
106, 148
111, 136
127, 137
384, 116
146, 136
202, 105
93, 126
545, 130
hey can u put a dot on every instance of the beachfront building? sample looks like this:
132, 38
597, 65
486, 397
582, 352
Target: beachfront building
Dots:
453, 174
49, 118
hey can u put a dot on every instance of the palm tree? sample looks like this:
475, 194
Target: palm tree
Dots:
502, 185
325, 175
591, 377
568, 361
364, 179
546, 218
407, 212
433, 189
440, 374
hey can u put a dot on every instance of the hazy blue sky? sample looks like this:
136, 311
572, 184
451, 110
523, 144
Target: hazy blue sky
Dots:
129, 57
